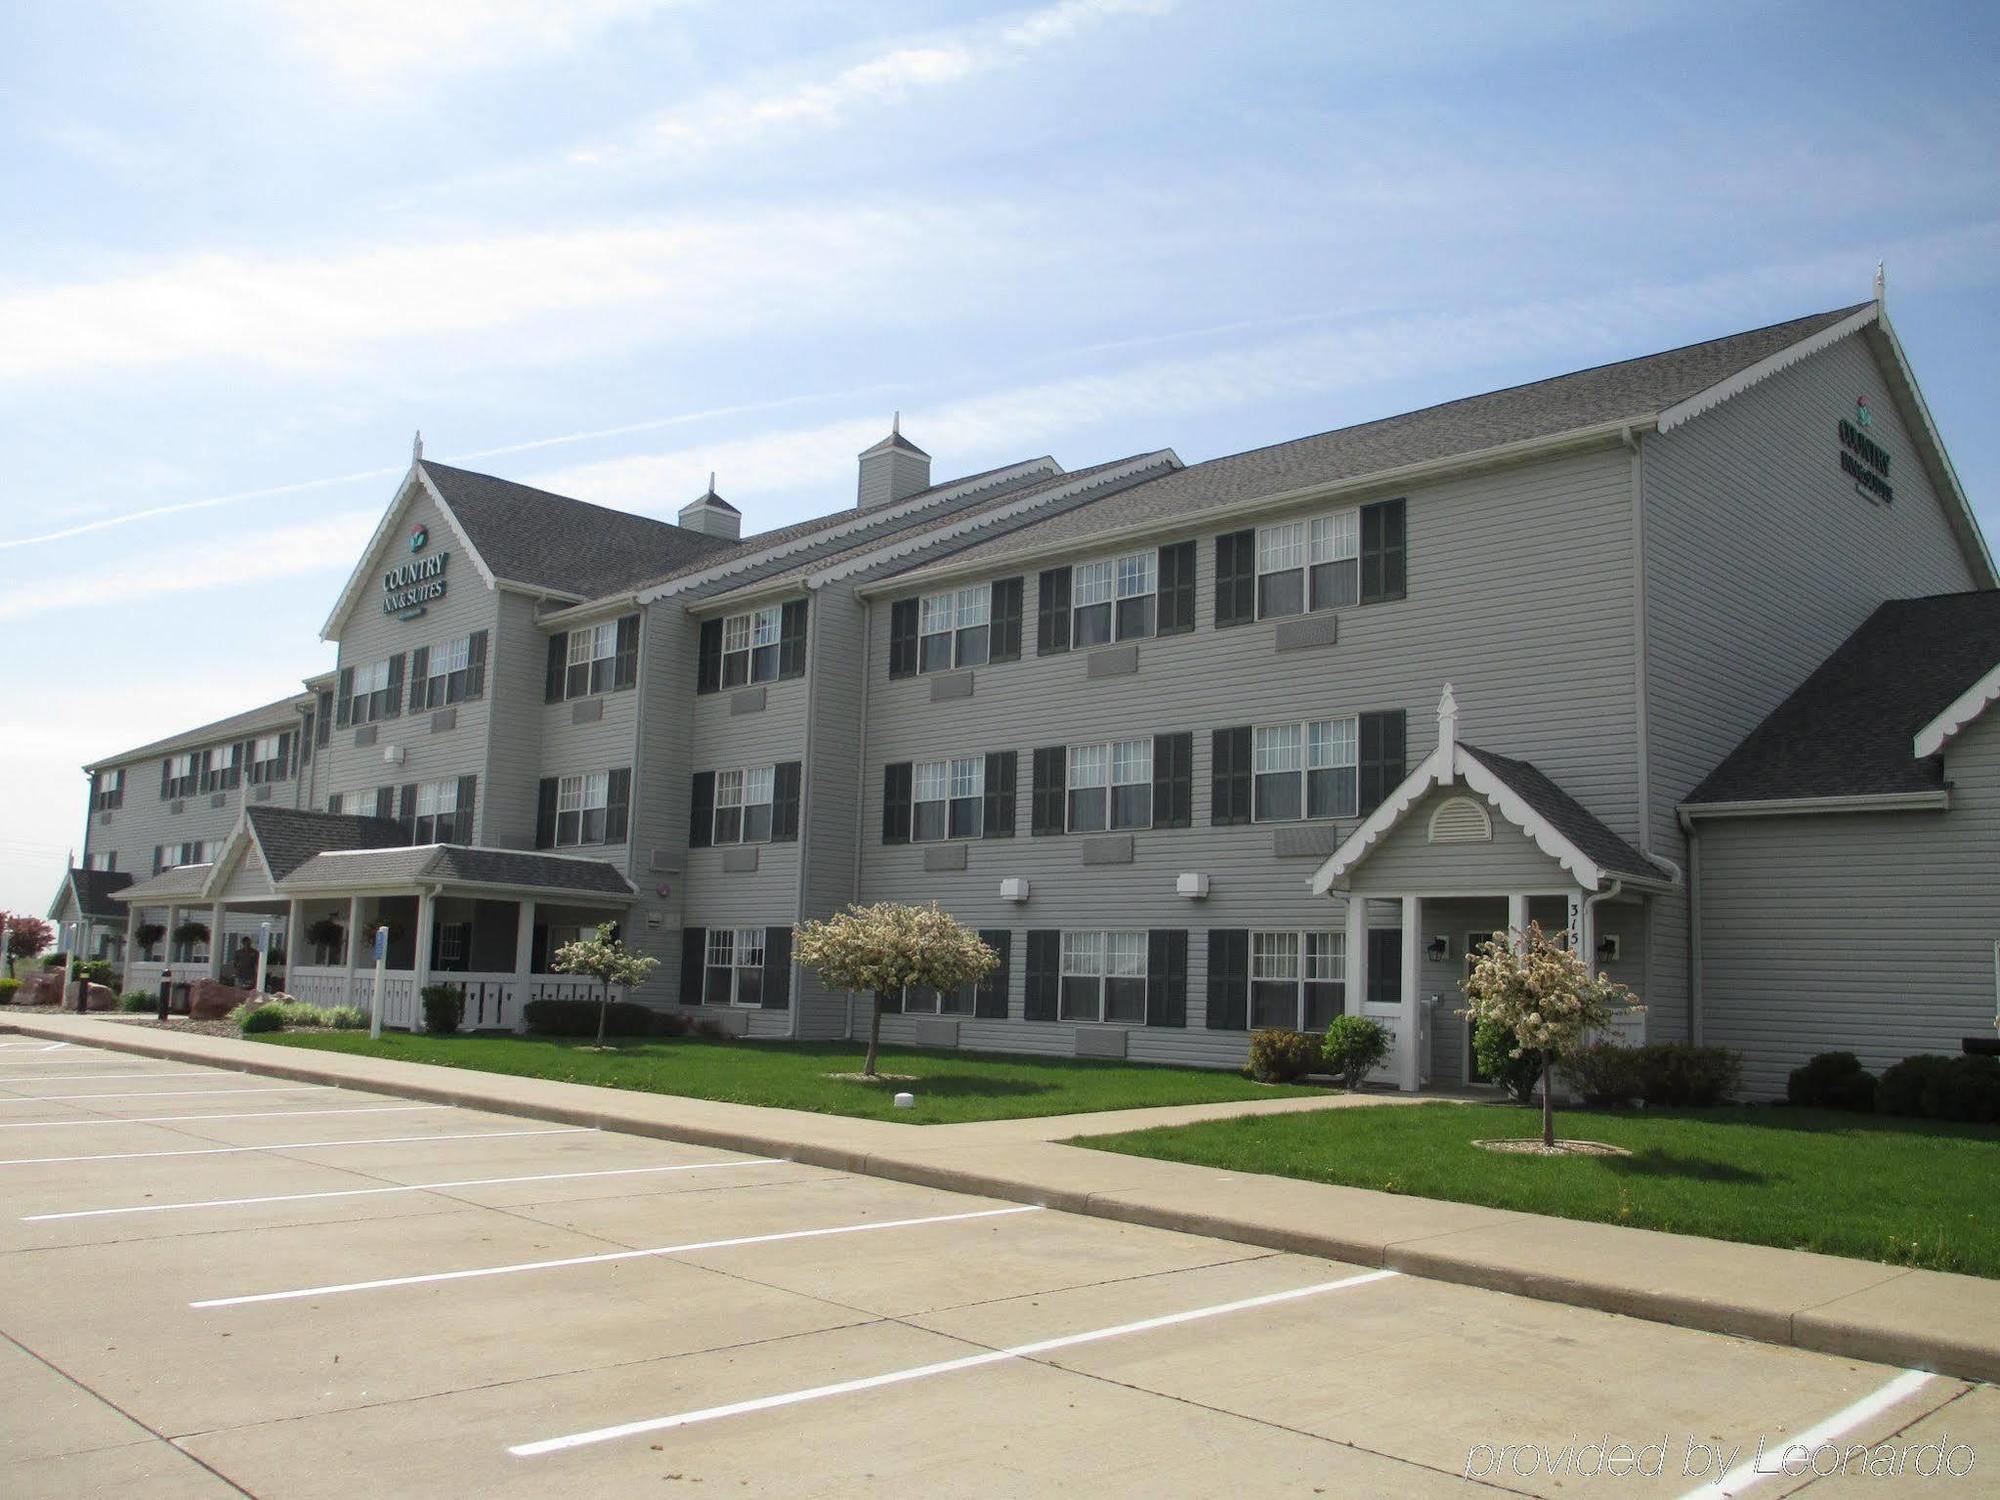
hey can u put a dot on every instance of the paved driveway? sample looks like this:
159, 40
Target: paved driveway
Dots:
212, 1284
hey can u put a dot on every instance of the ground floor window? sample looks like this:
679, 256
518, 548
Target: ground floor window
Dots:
1297, 979
1104, 977
734, 971
924, 1001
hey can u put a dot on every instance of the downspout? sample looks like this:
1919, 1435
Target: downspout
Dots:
1692, 834
1641, 721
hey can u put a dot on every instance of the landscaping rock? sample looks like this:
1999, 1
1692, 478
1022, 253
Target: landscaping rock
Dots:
101, 997
211, 999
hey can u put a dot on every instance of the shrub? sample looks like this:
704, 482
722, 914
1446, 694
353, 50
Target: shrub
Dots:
1280, 1056
1493, 1047
1354, 1047
1905, 1085
444, 1008
7, 989
251, 1019
138, 1000
1605, 1075
1680, 1076
93, 970
1832, 1080
52, 960
346, 1018
579, 1018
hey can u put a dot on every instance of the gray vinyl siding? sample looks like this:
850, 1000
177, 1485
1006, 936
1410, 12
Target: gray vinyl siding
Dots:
1548, 682
367, 636
831, 811
575, 743
1406, 862
660, 790
1760, 559
1870, 933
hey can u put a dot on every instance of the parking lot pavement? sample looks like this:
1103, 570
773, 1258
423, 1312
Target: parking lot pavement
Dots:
326, 1292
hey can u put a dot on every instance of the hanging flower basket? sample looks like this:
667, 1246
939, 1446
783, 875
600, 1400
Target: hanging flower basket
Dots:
191, 932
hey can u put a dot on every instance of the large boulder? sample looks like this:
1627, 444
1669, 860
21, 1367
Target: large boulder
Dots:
101, 997
212, 1000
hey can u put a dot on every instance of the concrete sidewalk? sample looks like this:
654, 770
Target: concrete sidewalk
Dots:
1923, 1319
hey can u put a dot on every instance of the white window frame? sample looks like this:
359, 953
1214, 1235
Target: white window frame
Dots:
960, 619
578, 797
1305, 546
954, 786
110, 789
592, 657
183, 774
1093, 957
448, 671
1115, 771
436, 800
1316, 750
1316, 956
267, 760
368, 703
733, 945
748, 792
750, 644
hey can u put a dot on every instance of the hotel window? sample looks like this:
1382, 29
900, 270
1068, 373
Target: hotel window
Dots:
750, 646
591, 652
1306, 770
110, 790
436, 814
1104, 977
580, 808
743, 805
171, 856
1297, 979
1281, 579
222, 768
269, 754
946, 799
1111, 786
105, 861
591, 659
924, 1001
180, 776
954, 630
734, 971
1115, 598
369, 698
447, 673
1312, 564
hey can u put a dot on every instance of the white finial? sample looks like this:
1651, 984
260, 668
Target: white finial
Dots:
1447, 731
896, 425
417, 447
711, 481
1881, 285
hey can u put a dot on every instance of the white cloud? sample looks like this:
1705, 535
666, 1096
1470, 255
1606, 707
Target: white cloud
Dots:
374, 46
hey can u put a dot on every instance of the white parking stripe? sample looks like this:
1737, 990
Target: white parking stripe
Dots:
615, 1255
148, 1073
414, 1187
380, 1140
942, 1367
303, 1088
1743, 1476
263, 1114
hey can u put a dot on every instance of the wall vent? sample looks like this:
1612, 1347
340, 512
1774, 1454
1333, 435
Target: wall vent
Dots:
1460, 820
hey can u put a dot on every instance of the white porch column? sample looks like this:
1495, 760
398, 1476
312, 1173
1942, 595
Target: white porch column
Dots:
1517, 916
291, 941
426, 921
1584, 923
131, 944
524, 948
1357, 953
218, 945
353, 946
1409, 1065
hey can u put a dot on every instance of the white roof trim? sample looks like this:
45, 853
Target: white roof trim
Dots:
1044, 465
1931, 452
1960, 712
1706, 400
416, 478
1861, 802
228, 857
136, 891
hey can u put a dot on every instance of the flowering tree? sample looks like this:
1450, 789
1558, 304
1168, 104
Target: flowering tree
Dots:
26, 936
609, 962
889, 946
1532, 984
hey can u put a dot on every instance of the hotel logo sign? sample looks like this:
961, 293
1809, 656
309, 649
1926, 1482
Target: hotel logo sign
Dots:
410, 588
1862, 459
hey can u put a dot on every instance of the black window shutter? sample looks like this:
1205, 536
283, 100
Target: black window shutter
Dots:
617, 805
406, 808
1004, 641
385, 803
344, 696
1173, 780
1228, 979
694, 954
777, 968
896, 802
1045, 803
545, 814
1166, 976
903, 638
791, 647
701, 811
324, 731
166, 775
552, 684
1380, 753
1052, 612
468, 791
1229, 783
998, 814
395, 687
708, 658
1236, 578
785, 802
989, 1000
238, 753
625, 661
475, 666
420, 660
1385, 551
1044, 978
287, 744
1176, 610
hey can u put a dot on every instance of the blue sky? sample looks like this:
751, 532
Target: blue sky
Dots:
608, 245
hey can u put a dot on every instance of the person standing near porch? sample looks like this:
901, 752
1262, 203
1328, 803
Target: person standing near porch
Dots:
244, 963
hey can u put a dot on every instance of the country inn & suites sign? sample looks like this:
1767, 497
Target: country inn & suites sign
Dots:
410, 588
1862, 459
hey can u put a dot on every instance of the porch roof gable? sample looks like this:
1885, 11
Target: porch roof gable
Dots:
456, 865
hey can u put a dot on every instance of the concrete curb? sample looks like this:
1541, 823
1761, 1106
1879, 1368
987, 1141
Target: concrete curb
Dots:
1853, 1309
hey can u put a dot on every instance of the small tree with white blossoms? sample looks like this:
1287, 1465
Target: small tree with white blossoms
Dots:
1532, 984
890, 946
609, 962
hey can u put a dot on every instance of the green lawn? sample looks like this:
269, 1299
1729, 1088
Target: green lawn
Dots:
950, 1086
1907, 1192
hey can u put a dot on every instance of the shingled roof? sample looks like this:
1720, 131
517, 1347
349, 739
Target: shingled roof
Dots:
282, 714
93, 891
516, 869
289, 836
1631, 389
1849, 729
1566, 815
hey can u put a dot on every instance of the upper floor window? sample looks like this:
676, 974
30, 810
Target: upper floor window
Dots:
172, 856
947, 798
1306, 770
1111, 786
965, 627
221, 769
435, 818
1353, 556
743, 805
1104, 977
760, 645
590, 659
368, 699
449, 672
110, 790
269, 757
1297, 979
180, 775
589, 807
105, 861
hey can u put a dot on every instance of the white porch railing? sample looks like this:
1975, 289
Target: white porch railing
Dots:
1391, 1017
493, 1002
141, 975
324, 987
